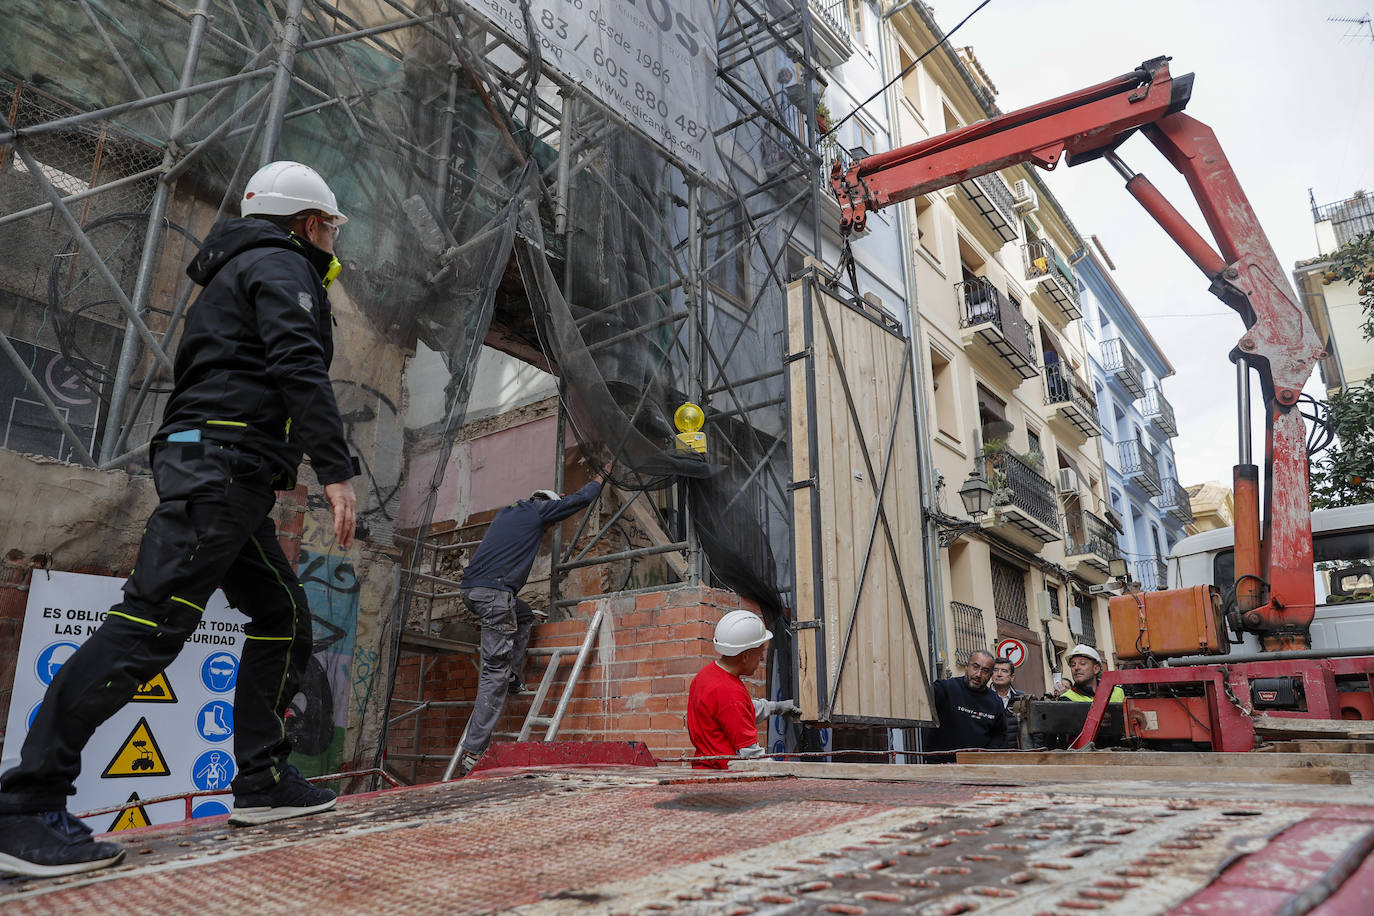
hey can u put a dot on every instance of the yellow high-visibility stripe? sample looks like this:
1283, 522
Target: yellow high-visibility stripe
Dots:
295, 612
226, 423
146, 623
188, 603
283, 638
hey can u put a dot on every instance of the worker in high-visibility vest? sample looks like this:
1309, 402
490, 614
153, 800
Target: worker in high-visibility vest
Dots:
1085, 671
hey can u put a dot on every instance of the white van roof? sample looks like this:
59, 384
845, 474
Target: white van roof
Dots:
1360, 516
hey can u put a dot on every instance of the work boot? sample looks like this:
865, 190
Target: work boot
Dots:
51, 844
467, 762
516, 686
292, 796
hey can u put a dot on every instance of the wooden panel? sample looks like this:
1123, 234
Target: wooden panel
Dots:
863, 579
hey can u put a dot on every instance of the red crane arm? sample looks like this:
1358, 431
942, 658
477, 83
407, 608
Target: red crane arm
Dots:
1274, 558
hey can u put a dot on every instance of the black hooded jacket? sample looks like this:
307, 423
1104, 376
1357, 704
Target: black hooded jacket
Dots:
252, 369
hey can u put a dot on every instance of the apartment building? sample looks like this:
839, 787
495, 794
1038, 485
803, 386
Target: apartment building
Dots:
1007, 388
1334, 306
1146, 504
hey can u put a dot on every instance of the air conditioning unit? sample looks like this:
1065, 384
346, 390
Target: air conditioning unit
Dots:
1023, 196
1076, 621
1068, 482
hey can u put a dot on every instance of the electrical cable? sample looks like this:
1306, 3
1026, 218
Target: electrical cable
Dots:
905, 70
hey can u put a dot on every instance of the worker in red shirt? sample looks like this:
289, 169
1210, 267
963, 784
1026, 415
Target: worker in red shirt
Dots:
722, 719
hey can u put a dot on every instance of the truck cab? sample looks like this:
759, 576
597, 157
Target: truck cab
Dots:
1342, 570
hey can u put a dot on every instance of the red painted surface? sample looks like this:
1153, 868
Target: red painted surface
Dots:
507, 754
1323, 860
1231, 728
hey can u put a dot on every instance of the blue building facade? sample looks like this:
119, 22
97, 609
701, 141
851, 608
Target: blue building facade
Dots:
1146, 502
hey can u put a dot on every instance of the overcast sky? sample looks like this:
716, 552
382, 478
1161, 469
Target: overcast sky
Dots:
1289, 96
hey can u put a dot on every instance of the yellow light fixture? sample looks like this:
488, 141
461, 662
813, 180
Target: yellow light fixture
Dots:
689, 418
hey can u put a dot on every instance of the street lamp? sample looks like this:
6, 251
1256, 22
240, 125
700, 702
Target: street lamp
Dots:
977, 499
976, 494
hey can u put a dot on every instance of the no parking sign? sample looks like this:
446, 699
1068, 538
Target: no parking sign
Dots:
1012, 649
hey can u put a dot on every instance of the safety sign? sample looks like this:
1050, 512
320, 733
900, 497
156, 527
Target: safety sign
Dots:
158, 690
130, 818
1011, 648
138, 756
176, 736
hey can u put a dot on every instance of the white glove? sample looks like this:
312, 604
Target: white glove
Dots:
752, 750
765, 708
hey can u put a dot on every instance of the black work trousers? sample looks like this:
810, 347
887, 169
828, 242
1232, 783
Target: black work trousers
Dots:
212, 528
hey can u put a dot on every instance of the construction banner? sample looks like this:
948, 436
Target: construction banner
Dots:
176, 734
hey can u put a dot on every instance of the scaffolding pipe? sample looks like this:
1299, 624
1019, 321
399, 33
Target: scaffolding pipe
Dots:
287, 42
38, 209
9, 134
97, 262
152, 248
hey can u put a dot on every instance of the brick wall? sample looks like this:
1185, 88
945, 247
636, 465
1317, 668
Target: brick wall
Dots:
633, 688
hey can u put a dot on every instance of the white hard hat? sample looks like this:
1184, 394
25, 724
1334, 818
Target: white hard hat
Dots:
740, 631
1086, 651
545, 494
286, 188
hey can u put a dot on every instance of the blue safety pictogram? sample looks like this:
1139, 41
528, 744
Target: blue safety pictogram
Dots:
51, 659
220, 672
33, 713
210, 808
215, 721
213, 770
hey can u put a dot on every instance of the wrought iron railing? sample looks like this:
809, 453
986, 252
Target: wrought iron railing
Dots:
969, 633
1152, 574
1086, 533
995, 187
835, 13
1043, 261
983, 302
1157, 408
1350, 218
1175, 500
1137, 462
1016, 482
1062, 386
1118, 360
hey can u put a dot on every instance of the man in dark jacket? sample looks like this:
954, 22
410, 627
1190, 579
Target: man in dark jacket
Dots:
491, 580
971, 713
251, 394
1002, 673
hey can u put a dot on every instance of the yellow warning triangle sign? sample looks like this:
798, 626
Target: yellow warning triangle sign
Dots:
158, 690
130, 818
138, 755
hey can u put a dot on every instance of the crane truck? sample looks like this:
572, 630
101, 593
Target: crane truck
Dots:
1183, 682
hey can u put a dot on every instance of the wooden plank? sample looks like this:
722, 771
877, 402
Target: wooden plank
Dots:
971, 774
1251, 760
1317, 746
802, 521
869, 663
1317, 728
832, 441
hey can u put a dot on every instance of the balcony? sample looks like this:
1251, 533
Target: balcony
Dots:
1159, 412
1121, 365
1152, 574
993, 322
1139, 466
1044, 265
1024, 505
830, 32
1075, 406
1089, 545
1175, 502
991, 196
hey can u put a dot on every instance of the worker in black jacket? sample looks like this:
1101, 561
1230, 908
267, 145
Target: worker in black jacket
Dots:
251, 394
491, 581
971, 713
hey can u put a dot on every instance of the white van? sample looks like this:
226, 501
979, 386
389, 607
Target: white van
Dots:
1343, 569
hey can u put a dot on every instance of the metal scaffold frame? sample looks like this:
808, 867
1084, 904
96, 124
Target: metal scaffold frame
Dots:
755, 217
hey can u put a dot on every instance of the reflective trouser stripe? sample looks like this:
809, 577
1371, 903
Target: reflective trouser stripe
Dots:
146, 623
188, 603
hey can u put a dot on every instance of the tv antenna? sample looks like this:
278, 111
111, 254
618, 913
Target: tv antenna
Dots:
1358, 27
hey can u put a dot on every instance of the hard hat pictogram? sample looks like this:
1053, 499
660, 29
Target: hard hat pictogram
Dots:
138, 755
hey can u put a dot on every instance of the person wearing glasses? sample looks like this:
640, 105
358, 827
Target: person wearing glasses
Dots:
970, 712
251, 396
